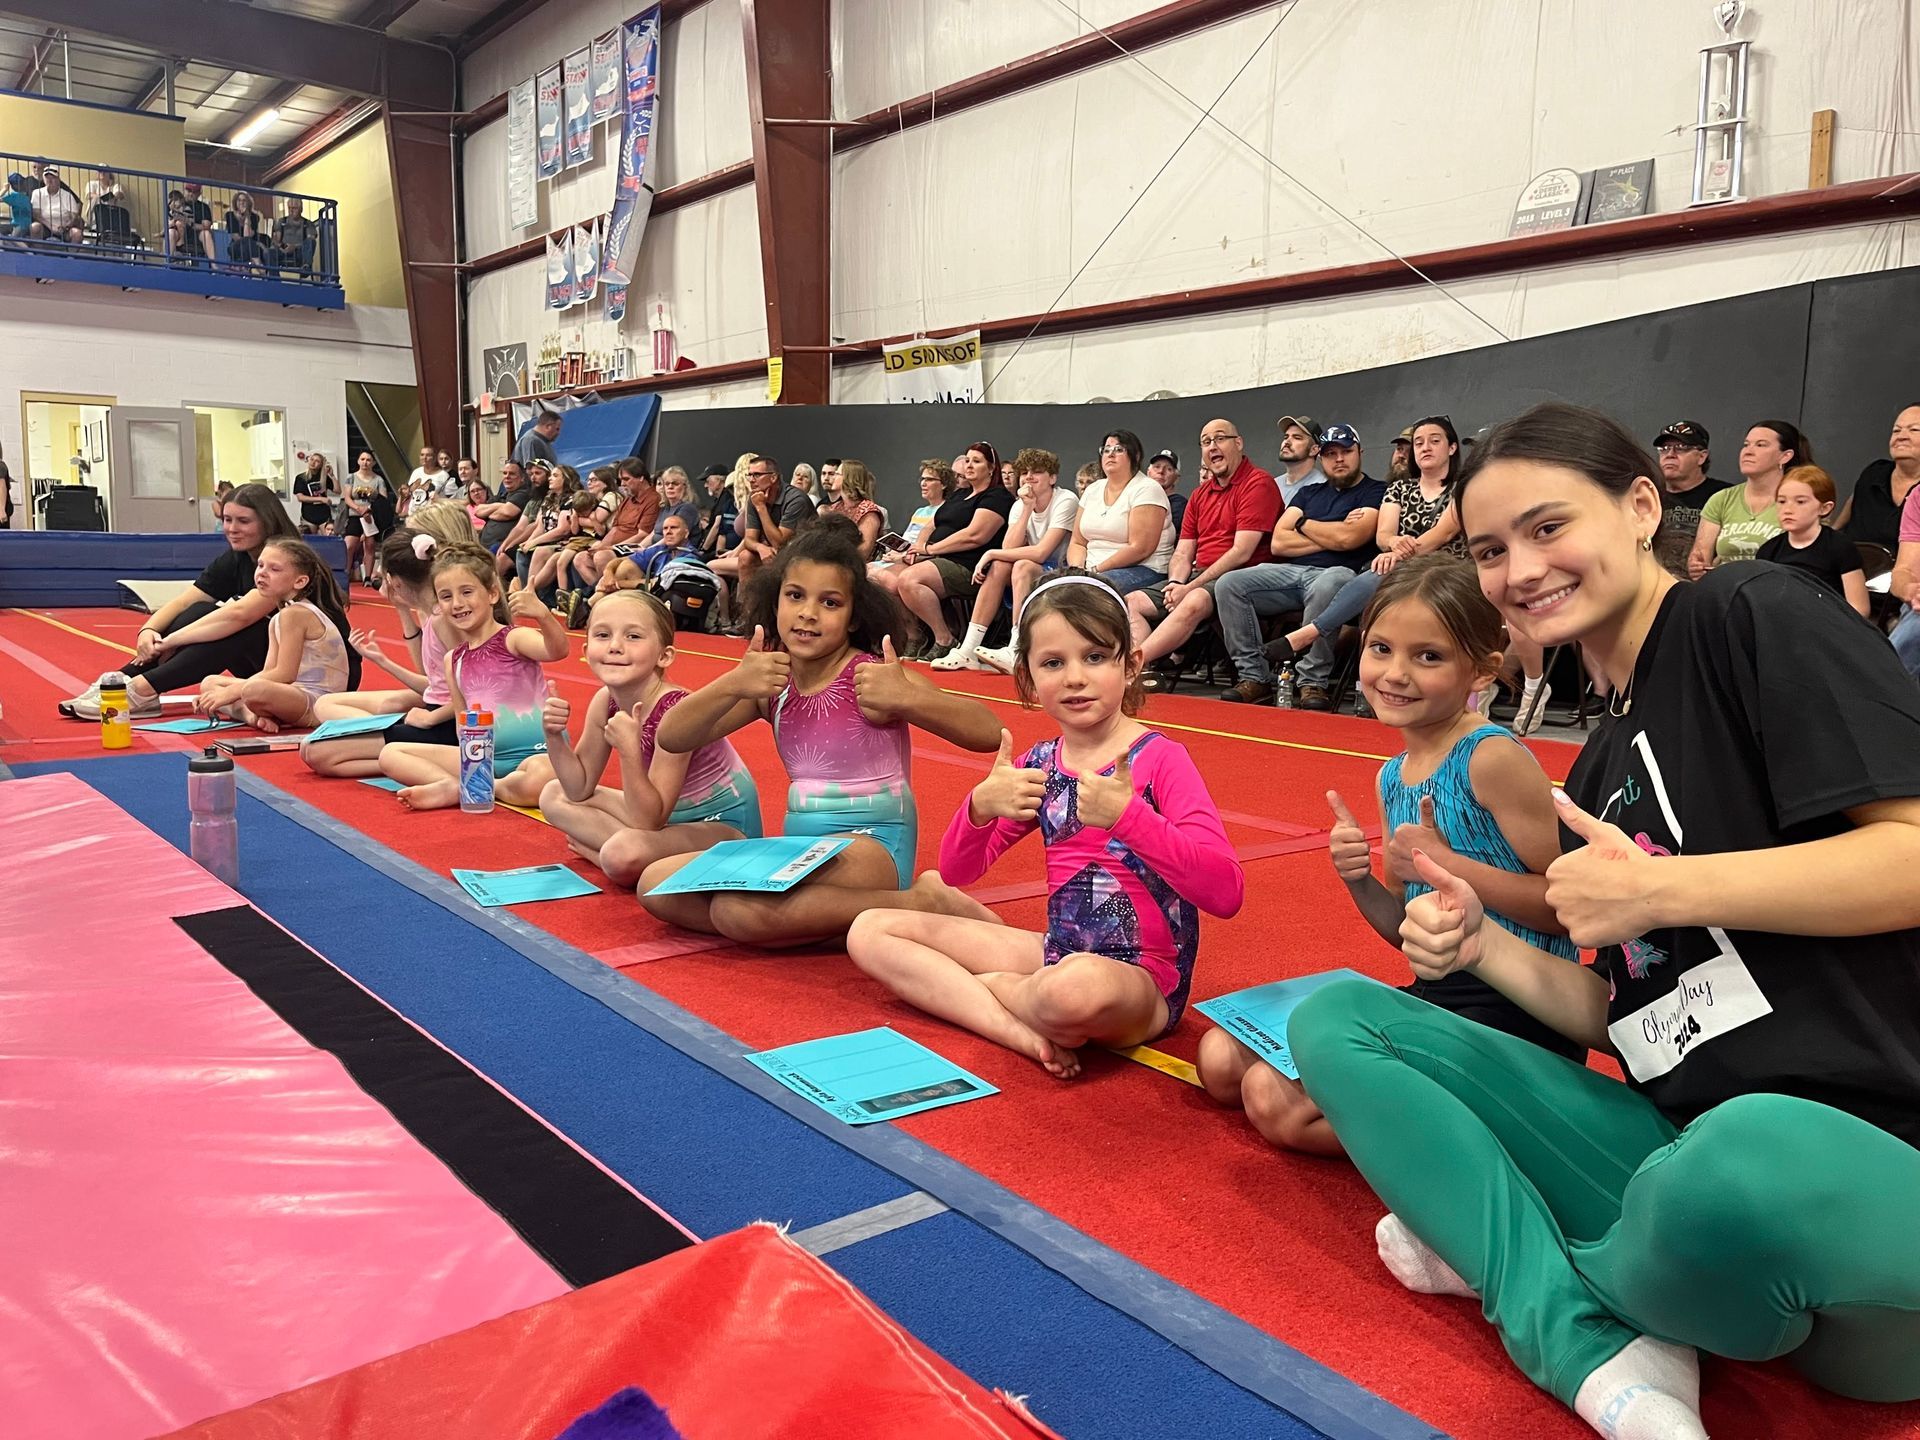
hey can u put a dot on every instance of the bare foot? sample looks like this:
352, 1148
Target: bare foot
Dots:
437, 795
1009, 988
933, 895
264, 723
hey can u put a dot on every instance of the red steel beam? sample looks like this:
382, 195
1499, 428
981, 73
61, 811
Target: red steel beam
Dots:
789, 77
671, 198
421, 155
677, 380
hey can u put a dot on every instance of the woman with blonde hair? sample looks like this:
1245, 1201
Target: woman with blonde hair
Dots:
856, 502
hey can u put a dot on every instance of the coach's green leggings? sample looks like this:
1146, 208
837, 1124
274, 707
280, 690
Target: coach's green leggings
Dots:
1769, 1226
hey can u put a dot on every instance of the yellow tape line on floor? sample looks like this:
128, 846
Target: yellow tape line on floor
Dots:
71, 630
1159, 1060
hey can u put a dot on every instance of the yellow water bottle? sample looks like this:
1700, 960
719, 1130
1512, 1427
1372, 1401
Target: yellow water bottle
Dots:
116, 720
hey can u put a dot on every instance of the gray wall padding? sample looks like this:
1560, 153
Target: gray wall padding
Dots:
1840, 357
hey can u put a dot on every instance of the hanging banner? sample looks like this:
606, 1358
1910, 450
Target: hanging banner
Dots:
523, 189
935, 372
632, 195
560, 271
579, 120
603, 78
548, 145
586, 262
616, 301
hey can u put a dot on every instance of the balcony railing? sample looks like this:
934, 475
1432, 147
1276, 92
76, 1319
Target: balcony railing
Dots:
141, 230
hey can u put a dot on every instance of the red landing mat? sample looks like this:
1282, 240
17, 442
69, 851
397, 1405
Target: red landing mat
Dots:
746, 1334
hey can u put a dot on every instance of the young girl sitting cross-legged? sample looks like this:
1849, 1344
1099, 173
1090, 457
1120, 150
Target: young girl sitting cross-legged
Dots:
1135, 851
821, 671
494, 665
1464, 791
665, 804
307, 657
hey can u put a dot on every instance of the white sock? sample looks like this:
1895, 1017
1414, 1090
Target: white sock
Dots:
1413, 1262
970, 642
1649, 1391
1531, 688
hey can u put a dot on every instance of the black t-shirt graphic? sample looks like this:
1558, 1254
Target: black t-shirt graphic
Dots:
1761, 710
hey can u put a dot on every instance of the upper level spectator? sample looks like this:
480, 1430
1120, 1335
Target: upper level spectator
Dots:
1227, 526
1164, 467
198, 220
1299, 456
57, 211
1125, 527
293, 239
1740, 519
1873, 512
17, 217
246, 231
1322, 541
537, 443
1685, 488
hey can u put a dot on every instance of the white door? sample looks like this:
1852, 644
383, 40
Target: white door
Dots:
153, 470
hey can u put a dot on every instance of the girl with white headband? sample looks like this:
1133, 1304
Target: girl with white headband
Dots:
1135, 851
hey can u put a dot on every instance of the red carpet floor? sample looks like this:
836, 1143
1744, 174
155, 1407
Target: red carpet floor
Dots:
1136, 1158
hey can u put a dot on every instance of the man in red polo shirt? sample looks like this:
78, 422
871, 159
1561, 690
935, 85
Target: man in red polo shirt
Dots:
1228, 524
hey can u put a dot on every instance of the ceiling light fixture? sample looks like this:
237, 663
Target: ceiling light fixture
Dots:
253, 127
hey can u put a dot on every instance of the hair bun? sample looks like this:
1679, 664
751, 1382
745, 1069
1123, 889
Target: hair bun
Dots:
422, 546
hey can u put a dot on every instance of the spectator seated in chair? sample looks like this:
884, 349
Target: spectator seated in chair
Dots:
56, 210
293, 238
16, 208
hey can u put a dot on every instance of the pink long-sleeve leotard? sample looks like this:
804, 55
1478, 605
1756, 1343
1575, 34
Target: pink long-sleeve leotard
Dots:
1113, 892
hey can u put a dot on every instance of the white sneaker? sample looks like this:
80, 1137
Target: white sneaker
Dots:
958, 658
1531, 717
87, 707
1001, 660
90, 695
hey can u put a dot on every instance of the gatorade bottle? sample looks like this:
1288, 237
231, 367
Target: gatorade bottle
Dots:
116, 720
476, 761
213, 837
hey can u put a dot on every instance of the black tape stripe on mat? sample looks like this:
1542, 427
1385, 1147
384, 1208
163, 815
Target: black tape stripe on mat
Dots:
579, 1219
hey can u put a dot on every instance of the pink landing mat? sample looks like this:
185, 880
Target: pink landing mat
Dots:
199, 1209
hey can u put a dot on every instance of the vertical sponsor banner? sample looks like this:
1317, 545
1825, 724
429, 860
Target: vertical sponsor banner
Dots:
523, 191
548, 145
560, 270
633, 196
603, 78
586, 262
934, 372
579, 127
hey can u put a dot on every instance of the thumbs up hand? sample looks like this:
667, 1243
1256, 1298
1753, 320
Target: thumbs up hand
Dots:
1608, 891
762, 673
1441, 931
1103, 799
883, 690
555, 712
622, 731
1408, 838
1008, 792
1347, 843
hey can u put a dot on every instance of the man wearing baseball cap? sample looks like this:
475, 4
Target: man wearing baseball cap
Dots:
1322, 541
1299, 449
1402, 466
1165, 468
199, 220
1685, 489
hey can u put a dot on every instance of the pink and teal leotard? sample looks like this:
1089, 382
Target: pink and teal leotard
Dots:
492, 677
848, 776
718, 785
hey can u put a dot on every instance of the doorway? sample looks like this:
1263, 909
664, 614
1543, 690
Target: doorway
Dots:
66, 438
238, 445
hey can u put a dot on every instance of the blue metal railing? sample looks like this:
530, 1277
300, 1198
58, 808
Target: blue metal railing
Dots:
138, 217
